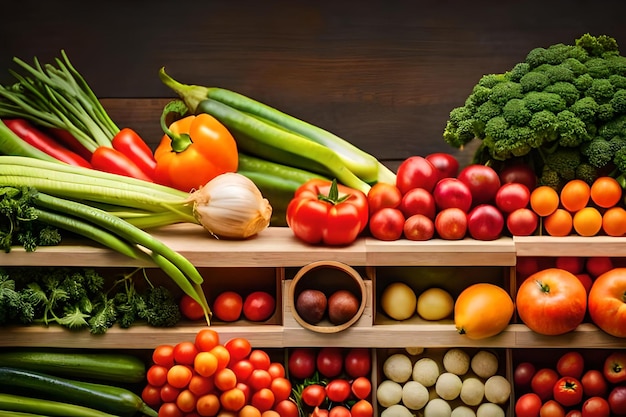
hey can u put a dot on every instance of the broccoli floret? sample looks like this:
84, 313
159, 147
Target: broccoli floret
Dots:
618, 81
587, 173
478, 96
605, 112
619, 101
597, 46
566, 90
585, 109
551, 178
617, 64
564, 161
598, 68
15, 305
534, 81
583, 82
540, 100
545, 125
505, 91
518, 71
161, 310
516, 113
572, 130
104, 316
128, 303
536, 57
617, 143
496, 128
601, 90
491, 80
556, 73
598, 152
486, 112
620, 160
574, 65
459, 134
614, 127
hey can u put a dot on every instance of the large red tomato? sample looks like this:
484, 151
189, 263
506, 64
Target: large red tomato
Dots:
552, 301
607, 302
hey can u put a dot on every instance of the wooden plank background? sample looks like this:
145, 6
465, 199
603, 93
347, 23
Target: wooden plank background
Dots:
382, 74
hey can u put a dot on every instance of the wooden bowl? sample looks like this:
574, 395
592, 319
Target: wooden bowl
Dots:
328, 277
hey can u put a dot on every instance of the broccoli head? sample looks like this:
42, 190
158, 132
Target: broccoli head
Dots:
586, 109
598, 151
618, 101
516, 113
564, 161
572, 130
587, 173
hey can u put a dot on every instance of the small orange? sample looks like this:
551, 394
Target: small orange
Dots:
587, 221
614, 221
559, 223
544, 200
606, 192
575, 195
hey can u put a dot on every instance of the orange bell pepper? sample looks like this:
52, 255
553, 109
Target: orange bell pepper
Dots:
193, 151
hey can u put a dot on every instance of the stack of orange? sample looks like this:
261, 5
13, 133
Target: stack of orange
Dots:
586, 210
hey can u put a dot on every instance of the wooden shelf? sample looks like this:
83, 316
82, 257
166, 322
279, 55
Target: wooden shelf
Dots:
278, 248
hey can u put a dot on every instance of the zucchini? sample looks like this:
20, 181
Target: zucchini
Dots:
107, 398
32, 406
277, 182
106, 367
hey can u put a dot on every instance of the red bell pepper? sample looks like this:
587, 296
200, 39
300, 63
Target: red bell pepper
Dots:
128, 142
70, 142
113, 161
322, 211
37, 138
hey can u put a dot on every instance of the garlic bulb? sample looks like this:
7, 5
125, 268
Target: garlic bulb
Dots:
231, 206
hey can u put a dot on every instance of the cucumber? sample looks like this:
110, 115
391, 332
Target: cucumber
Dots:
106, 398
28, 406
105, 367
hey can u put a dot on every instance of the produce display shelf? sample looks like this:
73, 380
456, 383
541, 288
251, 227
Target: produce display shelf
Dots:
570, 246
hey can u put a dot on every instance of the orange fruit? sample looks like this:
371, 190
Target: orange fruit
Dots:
587, 221
559, 223
544, 200
575, 195
606, 192
614, 221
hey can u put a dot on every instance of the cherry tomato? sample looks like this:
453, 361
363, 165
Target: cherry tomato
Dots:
551, 408
179, 376
157, 375
263, 399
169, 393
519, 173
222, 354
339, 411
301, 363
338, 390
281, 387
571, 364
313, 395
361, 387
151, 395
523, 374
185, 353
242, 369
259, 378
383, 195
206, 339
225, 379
190, 308
596, 407
205, 364
186, 401
208, 405
276, 370
362, 408
543, 382
201, 385
330, 361
228, 306
233, 399
594, 383
163, 355
260, 359
568, 391
528, 405
259, 306
286, 408
387, 224
358, 362
170, 409
238, 347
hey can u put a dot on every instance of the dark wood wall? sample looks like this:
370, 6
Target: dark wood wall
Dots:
383, 74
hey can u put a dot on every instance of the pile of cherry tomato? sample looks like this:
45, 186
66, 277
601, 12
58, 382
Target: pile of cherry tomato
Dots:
332, 381
206, 377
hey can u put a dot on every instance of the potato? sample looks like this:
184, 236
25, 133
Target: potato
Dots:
489, 410
398, 301
389, 393
456, 361
414, 395
398, 367
414, 350
448, 386
435, 304
472, 391
484, 364
463, 411
426, 371
396, 410
437, 408
497, 389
